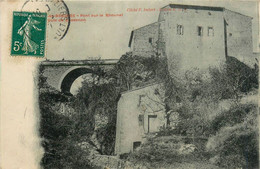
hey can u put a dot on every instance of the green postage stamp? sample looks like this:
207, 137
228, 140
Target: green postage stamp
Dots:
28, 37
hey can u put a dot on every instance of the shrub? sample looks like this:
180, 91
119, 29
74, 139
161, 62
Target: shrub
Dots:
233, 116
159, 150
236, 145
65, 154
57, 132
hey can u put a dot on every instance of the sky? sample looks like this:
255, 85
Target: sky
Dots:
108, 37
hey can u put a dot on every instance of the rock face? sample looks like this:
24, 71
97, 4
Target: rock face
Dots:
65, 109
90, 148
187, 148
173, 118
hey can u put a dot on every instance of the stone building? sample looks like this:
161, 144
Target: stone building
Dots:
196, 36
140, 112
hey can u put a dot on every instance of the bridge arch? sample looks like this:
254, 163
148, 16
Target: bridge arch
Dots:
70, 76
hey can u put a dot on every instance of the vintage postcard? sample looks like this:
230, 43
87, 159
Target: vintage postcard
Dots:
129, 84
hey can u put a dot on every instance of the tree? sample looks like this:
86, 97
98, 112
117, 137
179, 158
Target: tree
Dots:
56, 130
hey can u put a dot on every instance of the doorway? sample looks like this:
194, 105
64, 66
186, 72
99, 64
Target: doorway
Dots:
152, 123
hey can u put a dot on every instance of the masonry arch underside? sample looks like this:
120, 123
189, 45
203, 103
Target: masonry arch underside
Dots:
70, 76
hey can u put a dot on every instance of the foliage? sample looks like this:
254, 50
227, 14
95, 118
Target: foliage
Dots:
202, 93
198, 96
233, 137
232, 79
243, 77
135, 71
236, 141
101, 99
161, 151
106, 136
101, 96
233, 143
233, 116
57, 131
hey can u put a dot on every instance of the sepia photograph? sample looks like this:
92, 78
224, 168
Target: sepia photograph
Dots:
131, 85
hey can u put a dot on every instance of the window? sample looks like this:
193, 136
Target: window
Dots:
210, 31
179, 30
141, 120
136, 144
150, 40
200, 31
140, 99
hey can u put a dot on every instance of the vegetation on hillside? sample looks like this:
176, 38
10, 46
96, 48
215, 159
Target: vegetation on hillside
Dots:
58, 131
210, 107
63, 133
209, 104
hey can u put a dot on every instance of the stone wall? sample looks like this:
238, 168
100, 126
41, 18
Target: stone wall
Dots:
239, 37
141, 45
53, 75
112, 162
188, 50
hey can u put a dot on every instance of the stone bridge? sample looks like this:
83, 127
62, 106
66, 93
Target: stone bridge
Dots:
61, 74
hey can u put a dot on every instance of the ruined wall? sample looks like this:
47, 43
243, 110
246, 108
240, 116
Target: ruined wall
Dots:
140, 42
190, 50
239, 37
132, 104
